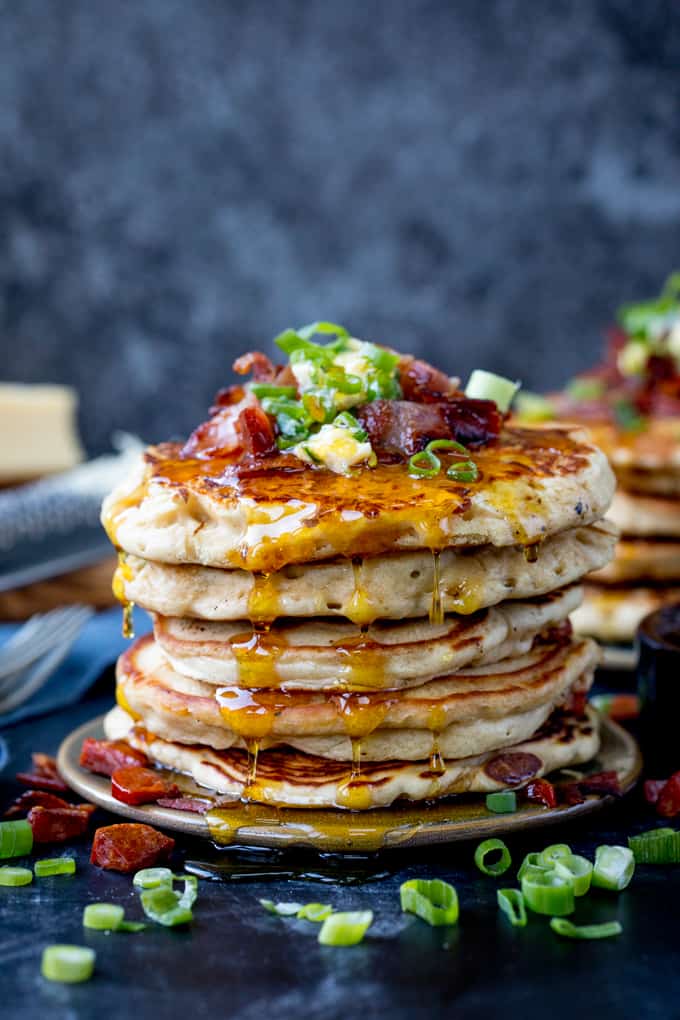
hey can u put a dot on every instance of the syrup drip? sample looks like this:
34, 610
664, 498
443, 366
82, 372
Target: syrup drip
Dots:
263, 601
437, 764
257, 655
253, 749
531, 552
360, 609
128, 628
436, 606
123, 574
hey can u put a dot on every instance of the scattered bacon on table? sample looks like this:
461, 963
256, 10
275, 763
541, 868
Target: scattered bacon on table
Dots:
34, 798
130, 846
105, 756
59, 824
606, 784
44, 775
664, 794
134, 784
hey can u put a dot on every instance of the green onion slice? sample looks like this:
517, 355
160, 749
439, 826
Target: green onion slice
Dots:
561, 926
268, 390
432, 900
656, 846
55, 866
531, 861
345, 929
316, 912
188, 897
152, 878
502, 803
533, 407
16, 838
68, 964
15, 876
424, 464
103, 916
548, 893
547, 857
282, 909
164, 906
614, 867
489, 386
576, 869
132, 926
327, 328
493, 846
511, 902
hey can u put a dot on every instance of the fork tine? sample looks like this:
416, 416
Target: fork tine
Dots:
67, 636
43, 632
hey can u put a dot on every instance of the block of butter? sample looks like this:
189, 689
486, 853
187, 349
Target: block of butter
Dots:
38, 431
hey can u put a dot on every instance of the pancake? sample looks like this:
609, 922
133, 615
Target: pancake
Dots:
614, 614
327, 654
395, 587
645, 516
532, 483
519, 693
289, 778
642, 560
645, 461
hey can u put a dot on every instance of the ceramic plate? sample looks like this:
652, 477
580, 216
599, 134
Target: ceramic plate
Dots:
455, 818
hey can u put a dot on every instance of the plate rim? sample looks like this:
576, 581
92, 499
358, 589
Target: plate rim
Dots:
275, 837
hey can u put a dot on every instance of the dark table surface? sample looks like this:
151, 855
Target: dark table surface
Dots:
238, 961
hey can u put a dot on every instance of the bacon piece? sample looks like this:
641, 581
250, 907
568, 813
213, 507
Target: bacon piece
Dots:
513, 767
129, 846
668, 804
423, 383
652, 788
105, 756
35, 798
256, 362
542, 792
571, 794
133, 784
57, 825
44, 775
192, 804
400, 428
255, 432
219, 437
227, 397
604, 783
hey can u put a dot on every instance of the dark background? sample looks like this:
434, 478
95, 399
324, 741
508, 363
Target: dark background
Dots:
479, 182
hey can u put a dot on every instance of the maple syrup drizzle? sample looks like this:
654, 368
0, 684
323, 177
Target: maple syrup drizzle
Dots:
121, 575
257, 654
531, 552
436, 606
360, 609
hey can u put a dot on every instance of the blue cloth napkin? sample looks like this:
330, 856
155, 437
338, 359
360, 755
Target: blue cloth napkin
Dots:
98, 645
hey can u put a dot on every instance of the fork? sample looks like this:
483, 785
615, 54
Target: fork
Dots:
51, 636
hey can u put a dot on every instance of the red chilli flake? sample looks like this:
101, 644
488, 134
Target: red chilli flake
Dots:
45, 775
105, 756
136, 785
540, 791
57, 825
130, 846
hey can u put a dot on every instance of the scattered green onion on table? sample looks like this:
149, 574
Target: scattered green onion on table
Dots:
432, 900
55, 866
493, 847
511, 902
561, 926
68, 964
614, 867
656, 846
13, 876
345, 929
16, 838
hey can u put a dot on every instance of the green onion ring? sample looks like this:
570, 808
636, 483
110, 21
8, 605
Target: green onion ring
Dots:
16, 838
281, 909
576, 869
656, 846
511, 902
68, 964
345, 929
491, 846
502, 803
132, 926
464, 471
531, 860
152, 878
548, 893
432, 900
103, 916
489, 386
55, 866
163, 905
561, 926
428, 470
316, 912
547, 857
12, 876
614, 867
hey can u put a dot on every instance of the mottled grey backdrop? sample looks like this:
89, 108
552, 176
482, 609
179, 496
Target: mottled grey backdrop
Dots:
480, 181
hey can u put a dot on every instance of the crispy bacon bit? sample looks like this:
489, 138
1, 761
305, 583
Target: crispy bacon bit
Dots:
219, 437
652, 788
56, 825
130, 846
35, 798
192, 804
227, 397
400, 428
133, 784
571, 794
44, 775
668, 804
255, 432
423, 383
256, 362
542, 792
513, 767
105, 756
604, 783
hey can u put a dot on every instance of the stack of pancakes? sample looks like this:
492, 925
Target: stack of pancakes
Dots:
645, 573
323, 640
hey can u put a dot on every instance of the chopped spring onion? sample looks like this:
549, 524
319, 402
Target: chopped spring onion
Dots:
547, 857
103, 916
132, 926
55, 866
493, 846
282, 909
657, 846
316, 912
152, 878
548, 893
327, 328
16, 838
345, 929
268, 390
532, 860
69, 964
576, 869
15, 876
164, 906
188, 897
426, 463
511, 902
502, 803
614, 867
432, 900
488, 386
561, 926
533, 407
